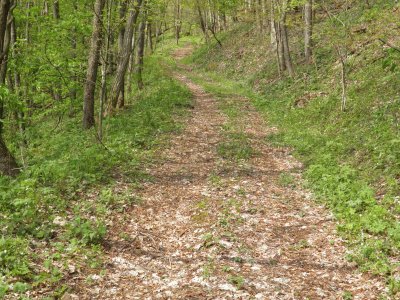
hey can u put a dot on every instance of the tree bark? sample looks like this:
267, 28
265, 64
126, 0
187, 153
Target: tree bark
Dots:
178, 21
203, 24
308, 18
8, 164
141, 44
124, 55
56, 9
93, 64
285, 43
150, 36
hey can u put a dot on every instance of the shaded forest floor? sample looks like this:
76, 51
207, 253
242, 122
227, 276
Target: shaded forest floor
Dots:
225, 217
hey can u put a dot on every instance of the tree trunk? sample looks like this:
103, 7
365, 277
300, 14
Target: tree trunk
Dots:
74, 43
178, 21
56, 9
8, 165
121, 41
141, 44
280, 47
150, 36
20, 116
285, 44
308, 18
104, 69
124, 55
203, 24
57, 91
93, 64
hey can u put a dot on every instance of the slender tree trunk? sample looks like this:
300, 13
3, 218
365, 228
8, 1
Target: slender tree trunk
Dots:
74, 42
285, 43
308, 18
56, 9
131, 67
141, 45
17, 88
280, 47
178, 21
93, 64
126, 51
56, 15
203, 24
121, 41
150, 36
104, 69
8, 165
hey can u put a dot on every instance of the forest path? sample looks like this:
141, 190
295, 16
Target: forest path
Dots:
224, 219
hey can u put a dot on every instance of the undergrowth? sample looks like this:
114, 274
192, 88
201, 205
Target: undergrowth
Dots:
54, 216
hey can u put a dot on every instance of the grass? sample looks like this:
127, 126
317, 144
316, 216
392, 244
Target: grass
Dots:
55, 213
352, 158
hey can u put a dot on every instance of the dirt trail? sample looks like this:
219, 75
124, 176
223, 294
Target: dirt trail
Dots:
211, 228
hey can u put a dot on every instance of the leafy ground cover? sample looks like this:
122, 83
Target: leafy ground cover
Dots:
351, 158
54, 216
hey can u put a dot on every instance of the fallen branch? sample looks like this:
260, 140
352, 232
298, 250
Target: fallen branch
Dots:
387, 43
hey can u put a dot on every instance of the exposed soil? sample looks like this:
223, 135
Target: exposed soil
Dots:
211, 228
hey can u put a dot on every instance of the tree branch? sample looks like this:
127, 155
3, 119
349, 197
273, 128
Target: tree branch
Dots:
387, 43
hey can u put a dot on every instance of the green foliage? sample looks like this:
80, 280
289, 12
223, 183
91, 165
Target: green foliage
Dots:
53, 203
238, 281
14, 257
86, 231
286, 179
237, 147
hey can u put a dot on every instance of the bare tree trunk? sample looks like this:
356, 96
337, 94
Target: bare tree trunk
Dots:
121, 41
8, 164
203, 24
93, 64
285, 43
104, 69
20, 116
141, 44
178, 21
150, 36
125, 54
56, 9
74, 42
132, 60
56, 14
308, 18
280, 47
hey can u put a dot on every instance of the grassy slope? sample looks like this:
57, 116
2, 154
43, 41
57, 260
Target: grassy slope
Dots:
352, 159
53, 217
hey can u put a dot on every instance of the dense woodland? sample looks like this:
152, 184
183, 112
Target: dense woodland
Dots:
87, 96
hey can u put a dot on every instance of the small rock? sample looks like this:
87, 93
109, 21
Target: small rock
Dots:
71, 269
59, 221
225, 244
227, 287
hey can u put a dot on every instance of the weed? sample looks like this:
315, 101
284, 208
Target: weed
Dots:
209, 269
236, 148
238, 281
215, 180
209, 240
286, 180
347, 296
